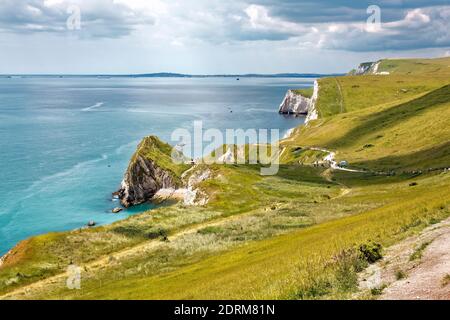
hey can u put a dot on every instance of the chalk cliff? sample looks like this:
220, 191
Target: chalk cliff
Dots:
368, 68
151, 168
313, 113
295, 103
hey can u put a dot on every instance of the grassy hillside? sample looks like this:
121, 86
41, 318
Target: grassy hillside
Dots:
431, 67
405, 135
302, 234
300, 264
409, 78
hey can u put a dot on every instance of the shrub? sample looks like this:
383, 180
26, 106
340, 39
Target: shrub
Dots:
348, 264
371, 251
318, 287
378, 291
418, 252
159, 233
399, 275
130, 231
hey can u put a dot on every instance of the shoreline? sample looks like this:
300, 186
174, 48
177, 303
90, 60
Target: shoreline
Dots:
3, 257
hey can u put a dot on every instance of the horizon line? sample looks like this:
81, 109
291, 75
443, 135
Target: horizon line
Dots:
172, 74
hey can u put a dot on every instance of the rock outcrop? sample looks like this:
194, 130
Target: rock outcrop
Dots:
313, 114
294, 103
368, 68
151, 169
142, 180
191, 194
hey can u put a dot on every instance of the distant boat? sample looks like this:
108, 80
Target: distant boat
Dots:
238, 79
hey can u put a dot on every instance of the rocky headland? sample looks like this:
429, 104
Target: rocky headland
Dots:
152, 175
150, 170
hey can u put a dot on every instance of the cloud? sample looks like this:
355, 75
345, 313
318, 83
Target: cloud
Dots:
99, 18
324, 24
325, 11
419, 28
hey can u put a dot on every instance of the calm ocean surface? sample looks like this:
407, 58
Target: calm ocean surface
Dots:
65, 142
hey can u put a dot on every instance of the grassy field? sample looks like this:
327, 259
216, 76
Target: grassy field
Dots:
432, 67
296, 235
307, 92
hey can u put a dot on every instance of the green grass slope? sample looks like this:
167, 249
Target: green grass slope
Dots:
296, 235
408, 79
432, 67
410, 134
153, 148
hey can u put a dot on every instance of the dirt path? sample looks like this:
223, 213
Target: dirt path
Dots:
341, 101
330, 158
417, 268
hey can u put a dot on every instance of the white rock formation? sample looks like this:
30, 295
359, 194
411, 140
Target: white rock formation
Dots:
369, 68
313, 114
227, 158
294, 103
191, 195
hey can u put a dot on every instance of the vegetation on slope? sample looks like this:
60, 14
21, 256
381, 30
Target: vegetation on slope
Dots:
306, 92
408, 135
153, 148
297, 235
432, 67
353, 93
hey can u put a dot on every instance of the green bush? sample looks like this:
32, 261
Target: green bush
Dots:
378, 291
159, 233
130, 231
371, 251
399, 275
346, 274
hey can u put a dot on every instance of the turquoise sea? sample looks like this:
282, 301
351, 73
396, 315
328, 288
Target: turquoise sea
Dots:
65, 142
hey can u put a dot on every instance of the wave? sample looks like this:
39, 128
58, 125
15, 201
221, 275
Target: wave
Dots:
10, 209
37, 186
97, 105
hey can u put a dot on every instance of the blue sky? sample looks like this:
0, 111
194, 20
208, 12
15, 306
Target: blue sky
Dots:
212, 36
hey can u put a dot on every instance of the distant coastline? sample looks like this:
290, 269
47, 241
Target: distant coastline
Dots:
173, 75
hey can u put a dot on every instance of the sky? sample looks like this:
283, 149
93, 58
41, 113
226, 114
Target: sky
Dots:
216, 36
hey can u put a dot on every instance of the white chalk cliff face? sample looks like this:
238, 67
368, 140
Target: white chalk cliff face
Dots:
369, 68
294, 103
313, 114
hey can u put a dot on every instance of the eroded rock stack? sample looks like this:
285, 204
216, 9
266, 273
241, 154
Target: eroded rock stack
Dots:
294, 103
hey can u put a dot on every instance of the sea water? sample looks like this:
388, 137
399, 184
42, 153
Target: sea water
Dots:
65, 142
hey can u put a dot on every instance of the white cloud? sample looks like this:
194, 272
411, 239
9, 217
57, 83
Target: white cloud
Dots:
259, 18
190, 22
100, 18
